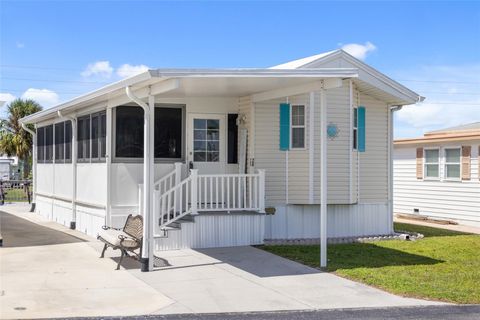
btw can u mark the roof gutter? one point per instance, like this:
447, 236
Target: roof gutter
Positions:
74, 168
34, 163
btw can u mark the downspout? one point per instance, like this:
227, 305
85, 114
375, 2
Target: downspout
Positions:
73, 223
34, 164
392, 109
146, 250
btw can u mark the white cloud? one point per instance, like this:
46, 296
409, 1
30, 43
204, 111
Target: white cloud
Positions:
359, 51
6, 98
127, 70
20, 45
452, 98
99, 68
45, 97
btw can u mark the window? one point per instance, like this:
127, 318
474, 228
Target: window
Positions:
63, 142
83, 139
298, 127
60, 142
431, 163
232, 138
68, 141
168, 133
91, 139
206, 140
452, 163
168, 140
355, 128
41, 145
49, 143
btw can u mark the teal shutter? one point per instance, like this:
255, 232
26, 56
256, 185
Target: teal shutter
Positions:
361, 128
284, 126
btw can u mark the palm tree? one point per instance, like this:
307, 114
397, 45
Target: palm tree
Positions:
13, 139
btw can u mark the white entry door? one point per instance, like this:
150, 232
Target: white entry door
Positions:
206, 142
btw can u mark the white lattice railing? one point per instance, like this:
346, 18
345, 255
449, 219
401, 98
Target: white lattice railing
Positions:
206, 193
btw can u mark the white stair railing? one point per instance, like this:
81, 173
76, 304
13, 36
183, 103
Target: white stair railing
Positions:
208, 192
169, 180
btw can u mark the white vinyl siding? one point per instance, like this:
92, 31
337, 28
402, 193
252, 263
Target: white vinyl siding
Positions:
373, 181
441, 199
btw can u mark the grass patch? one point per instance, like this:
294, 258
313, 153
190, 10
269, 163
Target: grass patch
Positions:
15, 195
445, 265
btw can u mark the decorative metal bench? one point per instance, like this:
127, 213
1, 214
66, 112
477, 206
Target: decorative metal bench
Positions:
128, 239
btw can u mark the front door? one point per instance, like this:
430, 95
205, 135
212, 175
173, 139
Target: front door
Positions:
206, 142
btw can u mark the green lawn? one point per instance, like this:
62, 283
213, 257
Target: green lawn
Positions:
445, 265
15, 195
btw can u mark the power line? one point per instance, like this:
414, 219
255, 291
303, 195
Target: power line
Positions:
61, 81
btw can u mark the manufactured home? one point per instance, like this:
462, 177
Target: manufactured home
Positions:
438, 176
225, 157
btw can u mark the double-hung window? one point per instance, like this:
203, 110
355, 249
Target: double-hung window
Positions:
432, 167
298, 127
452, 163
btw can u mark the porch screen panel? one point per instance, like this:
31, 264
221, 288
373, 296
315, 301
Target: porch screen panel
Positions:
49, 143
41, 145
60, 142
168, 133
68, 141
103, 134
129, 132
95, 135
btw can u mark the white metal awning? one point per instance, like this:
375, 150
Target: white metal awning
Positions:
198, 83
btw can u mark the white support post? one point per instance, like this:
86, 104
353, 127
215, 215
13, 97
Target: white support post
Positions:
73, 223
323, 180
178, 179
151, 178
261, 190
194, 190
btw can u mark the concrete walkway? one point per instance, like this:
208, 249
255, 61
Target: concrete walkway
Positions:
68, 279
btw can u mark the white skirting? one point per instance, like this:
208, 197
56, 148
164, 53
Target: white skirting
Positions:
89, 220
216, 230
303, 221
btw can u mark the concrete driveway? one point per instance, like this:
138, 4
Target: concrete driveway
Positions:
67, 279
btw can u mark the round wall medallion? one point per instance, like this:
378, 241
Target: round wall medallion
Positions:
332, 131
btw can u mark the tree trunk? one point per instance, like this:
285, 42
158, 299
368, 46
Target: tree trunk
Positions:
26, 169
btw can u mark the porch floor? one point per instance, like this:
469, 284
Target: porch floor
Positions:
68, 279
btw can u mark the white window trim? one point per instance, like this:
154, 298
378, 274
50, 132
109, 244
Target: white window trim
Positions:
354, 129
438, 178
459, 179
304, 126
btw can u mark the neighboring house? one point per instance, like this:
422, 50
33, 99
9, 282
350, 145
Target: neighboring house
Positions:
8, 166
255, 139
438, 175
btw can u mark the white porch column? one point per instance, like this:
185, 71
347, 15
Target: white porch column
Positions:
147, 166
151, 179
323, 179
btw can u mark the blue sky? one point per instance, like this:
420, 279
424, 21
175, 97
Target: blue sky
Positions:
54, 51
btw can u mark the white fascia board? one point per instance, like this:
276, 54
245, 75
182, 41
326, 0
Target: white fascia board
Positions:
257, 73
405, 93
87, 97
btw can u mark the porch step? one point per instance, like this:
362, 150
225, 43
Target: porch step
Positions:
177, 225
